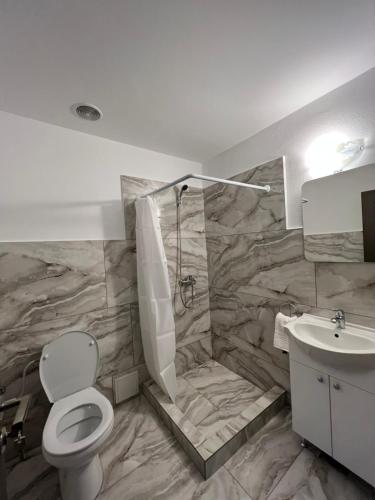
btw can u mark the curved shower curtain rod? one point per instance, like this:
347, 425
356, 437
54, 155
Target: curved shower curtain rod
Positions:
266, 188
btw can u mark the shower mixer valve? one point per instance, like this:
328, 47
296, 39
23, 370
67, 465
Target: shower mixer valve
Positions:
188, 281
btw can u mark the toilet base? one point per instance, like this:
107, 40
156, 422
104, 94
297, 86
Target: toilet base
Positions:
81, 483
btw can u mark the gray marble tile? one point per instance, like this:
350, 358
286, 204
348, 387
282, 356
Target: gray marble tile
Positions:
33, 479
270, 452
174, 418
226, 390
191, 355
221, 486
189, 401
111, 327
194, 261
138, 437
265, 264
346, 286
209, 373
192, 208
121, 267
334, 247
248, 321
43, 281
121, 271
235, 210
171, 475
193, 323
259, 372
313, 478
223, 432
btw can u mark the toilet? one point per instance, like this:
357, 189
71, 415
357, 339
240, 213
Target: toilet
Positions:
81, 418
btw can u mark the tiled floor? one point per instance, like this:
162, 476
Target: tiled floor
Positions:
215, 412
143, 461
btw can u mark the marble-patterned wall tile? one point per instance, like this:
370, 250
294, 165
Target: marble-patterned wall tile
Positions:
193, 323
236, 210
111, 327
259, 372
121, 267
334, 247
248, 321
192, 208
346, 286
44, 281
121, 271
194, 260
267, 264
193, 354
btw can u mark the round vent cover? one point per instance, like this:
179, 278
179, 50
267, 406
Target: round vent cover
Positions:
87, 112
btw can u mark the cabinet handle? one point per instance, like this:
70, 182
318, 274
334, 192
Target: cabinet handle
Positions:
336, 386
320, 379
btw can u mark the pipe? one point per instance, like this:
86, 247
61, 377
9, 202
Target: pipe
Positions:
266, 188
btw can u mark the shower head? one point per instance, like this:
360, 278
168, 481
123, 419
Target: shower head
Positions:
184, 188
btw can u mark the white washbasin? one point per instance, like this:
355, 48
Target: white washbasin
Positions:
322, 334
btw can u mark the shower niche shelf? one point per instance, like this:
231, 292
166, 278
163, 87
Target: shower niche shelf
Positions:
215, 413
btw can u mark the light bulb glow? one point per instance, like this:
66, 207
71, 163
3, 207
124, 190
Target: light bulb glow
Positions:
323, 157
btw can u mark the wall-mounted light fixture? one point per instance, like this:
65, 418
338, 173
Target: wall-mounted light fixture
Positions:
332, 153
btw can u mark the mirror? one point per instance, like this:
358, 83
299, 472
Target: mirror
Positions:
339, 216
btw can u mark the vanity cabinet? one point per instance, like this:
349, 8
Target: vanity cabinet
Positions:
335, 416
353, 428
311, 405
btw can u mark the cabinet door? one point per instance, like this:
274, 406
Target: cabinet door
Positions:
311, 417
353, 428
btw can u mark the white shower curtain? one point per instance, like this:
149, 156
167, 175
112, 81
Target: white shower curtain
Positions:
154, 294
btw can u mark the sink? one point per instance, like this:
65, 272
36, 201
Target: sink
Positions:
322, 334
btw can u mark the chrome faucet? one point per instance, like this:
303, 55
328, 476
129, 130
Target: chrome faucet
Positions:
339, 319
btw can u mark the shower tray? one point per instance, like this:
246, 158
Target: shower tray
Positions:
215, 413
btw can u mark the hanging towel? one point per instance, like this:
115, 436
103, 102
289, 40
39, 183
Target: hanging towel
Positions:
281, 337
154, 295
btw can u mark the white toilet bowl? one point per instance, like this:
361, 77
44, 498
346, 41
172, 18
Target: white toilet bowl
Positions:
81, 418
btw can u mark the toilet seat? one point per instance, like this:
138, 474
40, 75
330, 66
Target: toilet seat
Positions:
69, 364
56, 447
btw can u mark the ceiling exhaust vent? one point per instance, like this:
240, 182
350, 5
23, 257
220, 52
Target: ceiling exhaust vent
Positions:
87, 112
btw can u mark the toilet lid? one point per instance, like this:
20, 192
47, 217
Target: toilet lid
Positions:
68, 364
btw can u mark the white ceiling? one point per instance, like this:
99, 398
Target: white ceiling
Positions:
186, 77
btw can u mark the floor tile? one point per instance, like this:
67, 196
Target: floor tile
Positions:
33, 479
170, 476
192, 404
313, 478
261, 462
138, 434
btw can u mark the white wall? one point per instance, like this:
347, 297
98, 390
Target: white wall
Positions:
59, 184
350, 109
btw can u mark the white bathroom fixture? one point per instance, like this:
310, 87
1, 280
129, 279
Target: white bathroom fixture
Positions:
87, 112
320, 333
266, 187
81, 418
332, 374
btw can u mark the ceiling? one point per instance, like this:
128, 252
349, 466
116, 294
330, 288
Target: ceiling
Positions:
185, 77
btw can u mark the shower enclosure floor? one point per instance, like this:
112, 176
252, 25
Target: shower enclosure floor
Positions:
216, 411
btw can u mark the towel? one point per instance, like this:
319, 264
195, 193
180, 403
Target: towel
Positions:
281, 338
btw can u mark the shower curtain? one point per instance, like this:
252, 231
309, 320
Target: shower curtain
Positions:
154, 295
